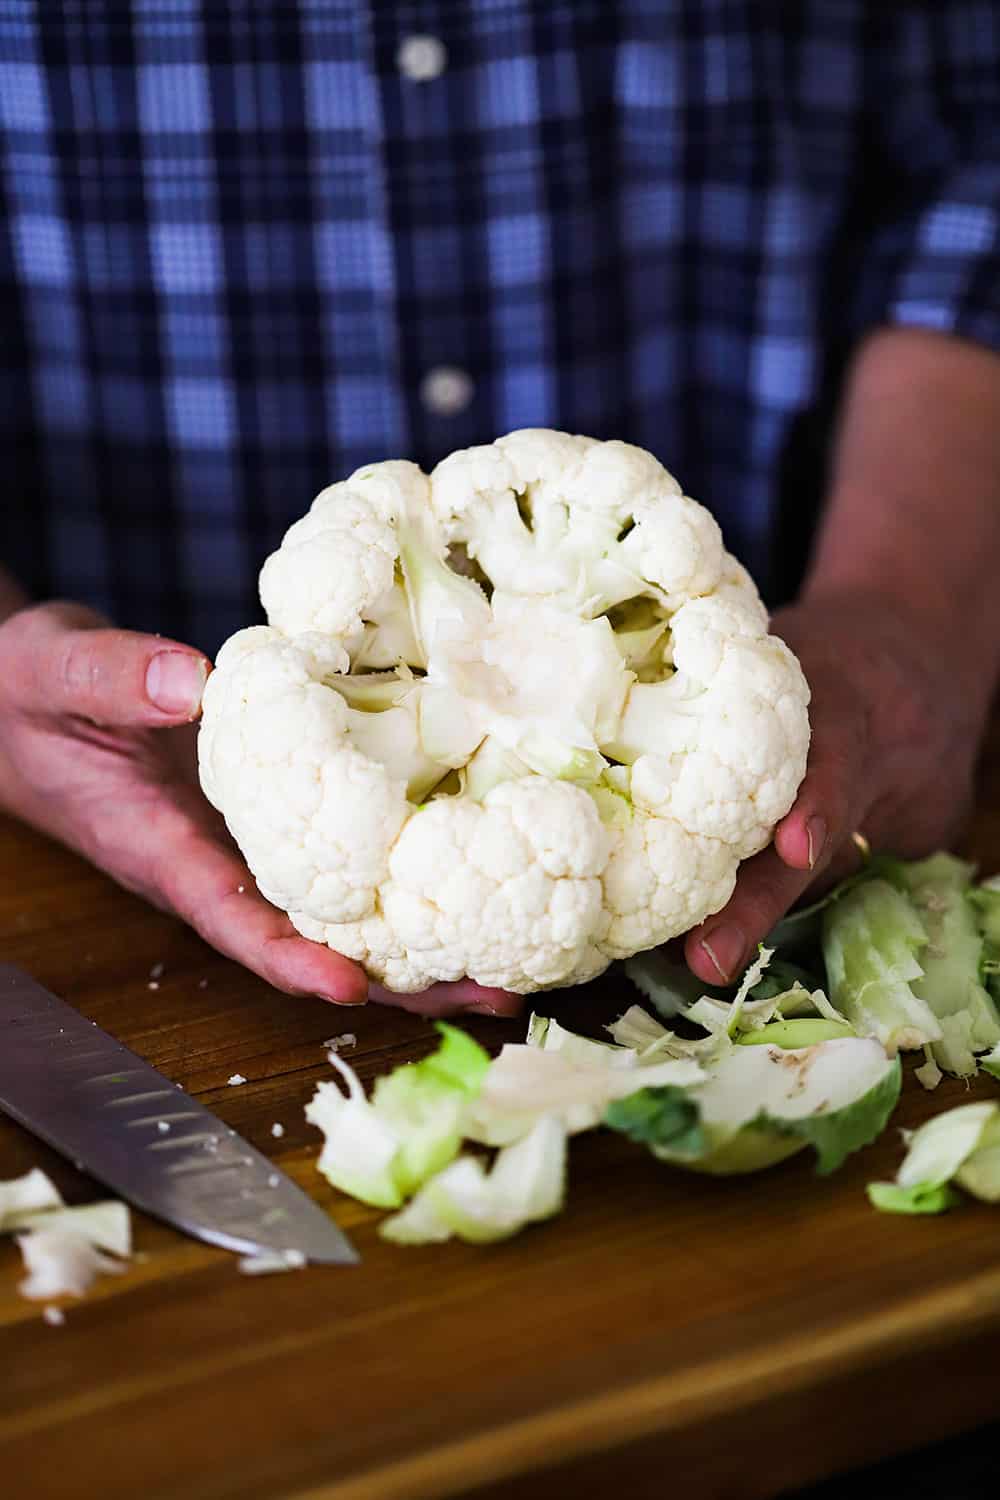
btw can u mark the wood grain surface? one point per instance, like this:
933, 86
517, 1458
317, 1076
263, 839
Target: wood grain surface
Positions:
668, 1335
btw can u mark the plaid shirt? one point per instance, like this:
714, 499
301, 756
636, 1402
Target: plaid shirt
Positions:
236, 238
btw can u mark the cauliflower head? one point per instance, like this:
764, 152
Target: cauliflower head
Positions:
513, 719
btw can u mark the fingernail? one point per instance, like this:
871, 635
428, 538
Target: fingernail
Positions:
175, 681
725, 947
816, 838
339, 999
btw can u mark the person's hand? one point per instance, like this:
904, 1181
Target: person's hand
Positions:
897, 716
97, 748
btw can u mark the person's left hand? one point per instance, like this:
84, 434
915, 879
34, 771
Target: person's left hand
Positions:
897, 717
97, 750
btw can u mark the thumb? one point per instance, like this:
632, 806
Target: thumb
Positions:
64, 659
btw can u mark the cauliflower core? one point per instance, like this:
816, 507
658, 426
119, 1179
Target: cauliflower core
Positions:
513, 720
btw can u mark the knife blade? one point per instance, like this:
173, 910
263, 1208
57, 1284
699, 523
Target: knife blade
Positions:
115, 1116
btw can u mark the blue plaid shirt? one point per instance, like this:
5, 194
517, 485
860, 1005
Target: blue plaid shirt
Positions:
235, 238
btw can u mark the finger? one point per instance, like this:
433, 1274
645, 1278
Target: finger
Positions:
720, 948
826, 805
223, 904
822, 815
63, 659
463, 996
829, 804
210, 887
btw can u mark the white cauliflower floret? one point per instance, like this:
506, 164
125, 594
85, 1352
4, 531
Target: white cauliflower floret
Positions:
738, 588
588, 524
332, 568
518, 781
677, 545
661, 878
507, 890
314, 817
721, 746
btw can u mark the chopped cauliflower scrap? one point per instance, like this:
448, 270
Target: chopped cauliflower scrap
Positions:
512, 720
63, 1249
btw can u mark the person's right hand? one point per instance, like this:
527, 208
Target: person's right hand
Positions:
97, 748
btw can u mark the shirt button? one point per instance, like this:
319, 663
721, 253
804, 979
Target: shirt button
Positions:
422, 58
447, 390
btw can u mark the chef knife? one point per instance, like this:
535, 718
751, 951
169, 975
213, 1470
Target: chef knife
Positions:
113, 1115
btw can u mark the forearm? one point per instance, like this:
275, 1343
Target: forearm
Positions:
12, 595
913, 514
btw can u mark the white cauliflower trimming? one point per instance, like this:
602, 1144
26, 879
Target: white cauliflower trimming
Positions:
513, 720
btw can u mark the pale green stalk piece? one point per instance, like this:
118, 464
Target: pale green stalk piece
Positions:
872, 937
527, 1082
613, 805
669, 986
945, 1150
547, 1033
391, 718
798, 1031
985, 898
753, 976
492, 764
653, 1043
381, 1150
31, 1194
423, 1103
638, 1030
761, 1104
928, 1075
360, 1149
979, 1174
390, 640
798, 1001
105, 1225
495, 762
939, 888
526, 1183
445, 606
393, 740
991, 1064
725, 1018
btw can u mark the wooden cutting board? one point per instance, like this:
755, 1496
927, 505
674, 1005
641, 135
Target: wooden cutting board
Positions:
668, 1334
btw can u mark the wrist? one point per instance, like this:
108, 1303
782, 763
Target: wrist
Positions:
910, 521
932, 561
895, 602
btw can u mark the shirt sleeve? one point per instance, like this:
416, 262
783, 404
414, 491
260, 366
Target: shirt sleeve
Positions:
934, 257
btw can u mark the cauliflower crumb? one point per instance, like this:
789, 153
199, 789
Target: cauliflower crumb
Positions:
162, 1126
236, 1079
277, 1130
268, 1261
156, 972
153, 985
203, 984
54, 1316
336, 1043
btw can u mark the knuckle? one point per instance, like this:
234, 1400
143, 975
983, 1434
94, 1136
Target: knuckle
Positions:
77, 670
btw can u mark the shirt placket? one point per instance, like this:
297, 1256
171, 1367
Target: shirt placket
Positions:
365, 414
432, 183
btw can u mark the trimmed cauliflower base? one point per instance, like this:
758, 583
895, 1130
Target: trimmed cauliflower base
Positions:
511, 720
